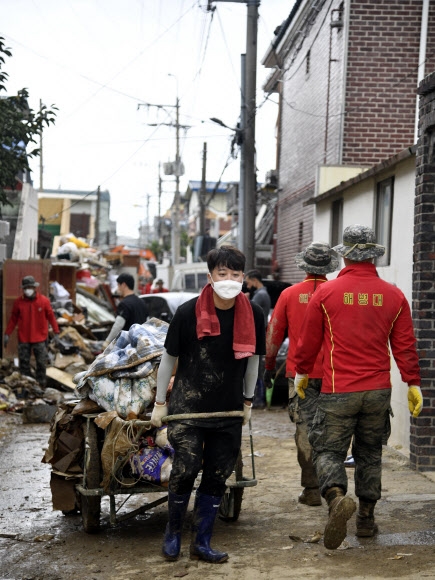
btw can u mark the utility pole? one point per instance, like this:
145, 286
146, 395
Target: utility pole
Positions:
41, 165
249, 107
97, 220
177, 171
203, 190
175, 239
159, 226
250, 184
241, 199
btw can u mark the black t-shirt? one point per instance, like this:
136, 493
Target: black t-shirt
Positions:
208, 377
133, 309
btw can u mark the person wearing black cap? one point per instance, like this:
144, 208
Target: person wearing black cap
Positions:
31, 313
131, 310
316, 260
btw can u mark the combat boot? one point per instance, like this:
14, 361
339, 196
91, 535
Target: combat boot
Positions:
310, 496
365, 519
341, 508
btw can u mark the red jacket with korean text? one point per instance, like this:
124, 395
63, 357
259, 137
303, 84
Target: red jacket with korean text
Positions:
357, 318
288, 314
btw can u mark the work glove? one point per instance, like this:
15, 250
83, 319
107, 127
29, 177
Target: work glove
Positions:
268, 379
158, 413
415, 400
301, 383
5, 340
246, 413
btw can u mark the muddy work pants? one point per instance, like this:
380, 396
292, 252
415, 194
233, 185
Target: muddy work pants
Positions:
301, 412
40, 353
213, 449
338, 418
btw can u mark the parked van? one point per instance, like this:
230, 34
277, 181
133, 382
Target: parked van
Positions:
189, 277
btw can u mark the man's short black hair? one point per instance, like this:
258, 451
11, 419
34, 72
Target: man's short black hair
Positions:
127, 278
227, 256
254, 274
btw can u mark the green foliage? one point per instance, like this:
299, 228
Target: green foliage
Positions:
156, 249
19, 128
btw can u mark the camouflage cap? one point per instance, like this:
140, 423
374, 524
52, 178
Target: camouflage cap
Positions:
359, 244
317, 258
29, 281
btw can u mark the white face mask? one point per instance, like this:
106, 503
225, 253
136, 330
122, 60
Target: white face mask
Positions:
227, 289
29, 292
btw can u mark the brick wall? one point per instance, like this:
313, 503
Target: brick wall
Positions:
422, 436
380, 100
383, 50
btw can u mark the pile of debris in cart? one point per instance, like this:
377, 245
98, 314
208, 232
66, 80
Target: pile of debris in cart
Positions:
117, 391
82, 290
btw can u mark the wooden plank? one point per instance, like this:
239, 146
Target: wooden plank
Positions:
61, 377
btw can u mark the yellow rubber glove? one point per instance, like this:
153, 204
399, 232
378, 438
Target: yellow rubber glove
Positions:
301, 383
415, 400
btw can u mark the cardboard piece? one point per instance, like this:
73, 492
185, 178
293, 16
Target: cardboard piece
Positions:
61, 377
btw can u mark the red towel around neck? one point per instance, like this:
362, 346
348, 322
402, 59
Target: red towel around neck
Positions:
207, 322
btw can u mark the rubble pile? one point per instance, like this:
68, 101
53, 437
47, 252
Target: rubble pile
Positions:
82, 284
22, 394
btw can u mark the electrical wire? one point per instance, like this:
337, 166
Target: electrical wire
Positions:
57, 214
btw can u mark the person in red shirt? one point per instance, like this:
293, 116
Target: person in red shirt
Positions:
32, 313
159, 287
357, 318
287, 317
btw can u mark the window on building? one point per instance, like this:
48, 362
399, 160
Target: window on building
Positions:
336, 222
300, 236
307, 62
384, 218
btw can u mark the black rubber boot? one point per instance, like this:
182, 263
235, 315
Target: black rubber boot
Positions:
177, 507
204, 515
341, 508
365, 519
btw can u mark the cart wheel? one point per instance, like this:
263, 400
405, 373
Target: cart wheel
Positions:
90, 506
231, 503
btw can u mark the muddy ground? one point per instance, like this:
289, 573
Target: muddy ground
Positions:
37, 543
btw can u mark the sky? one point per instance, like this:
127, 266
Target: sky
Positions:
102, 62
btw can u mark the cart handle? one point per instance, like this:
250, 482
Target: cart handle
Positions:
217, 414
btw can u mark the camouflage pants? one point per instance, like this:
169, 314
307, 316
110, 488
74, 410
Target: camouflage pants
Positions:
301, 412
214, 450
339, 417
40, 354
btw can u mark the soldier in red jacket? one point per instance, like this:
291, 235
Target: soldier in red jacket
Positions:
316, 260
357, 318
32, 313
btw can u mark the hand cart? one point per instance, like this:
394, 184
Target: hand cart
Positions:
90, 492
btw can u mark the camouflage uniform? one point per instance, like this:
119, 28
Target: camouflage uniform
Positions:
301, 412
339, 416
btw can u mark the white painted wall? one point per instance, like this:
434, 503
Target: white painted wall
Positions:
358, 207
26, 236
